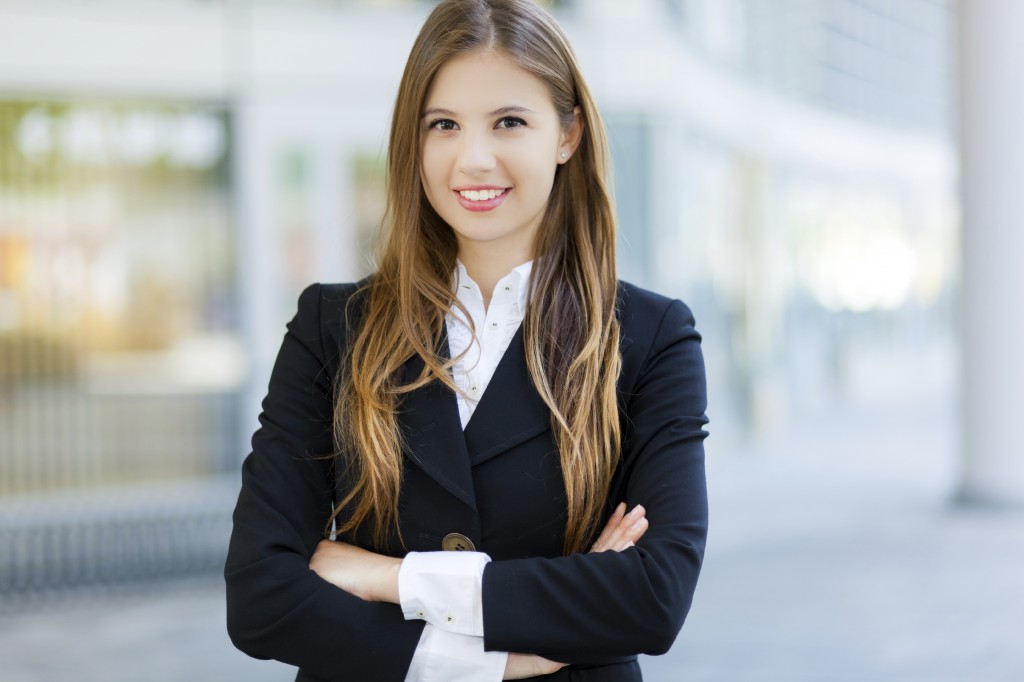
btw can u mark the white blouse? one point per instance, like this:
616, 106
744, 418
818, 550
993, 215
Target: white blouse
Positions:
444, 588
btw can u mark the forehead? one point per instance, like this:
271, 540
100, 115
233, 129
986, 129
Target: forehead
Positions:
484, 81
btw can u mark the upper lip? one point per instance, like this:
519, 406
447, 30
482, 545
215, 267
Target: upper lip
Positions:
476, 188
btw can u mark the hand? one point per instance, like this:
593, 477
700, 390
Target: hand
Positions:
522, 666
367, 575
622, 529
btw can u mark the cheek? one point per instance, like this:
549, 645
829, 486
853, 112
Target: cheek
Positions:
534, 166
542, 174
432, 170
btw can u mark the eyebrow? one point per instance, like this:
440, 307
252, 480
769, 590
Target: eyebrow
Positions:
497, 112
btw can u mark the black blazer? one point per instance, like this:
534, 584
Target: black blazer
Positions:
498, 483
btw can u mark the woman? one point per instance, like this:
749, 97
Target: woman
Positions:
491, 388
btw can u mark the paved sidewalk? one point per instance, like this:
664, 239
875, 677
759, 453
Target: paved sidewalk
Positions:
828, 569
834, 555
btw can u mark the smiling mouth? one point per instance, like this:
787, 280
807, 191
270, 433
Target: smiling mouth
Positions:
482, 200
481, 195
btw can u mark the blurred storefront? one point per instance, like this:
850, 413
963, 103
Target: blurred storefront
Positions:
118, 323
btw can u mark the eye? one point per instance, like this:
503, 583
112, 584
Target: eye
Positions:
511, 122
445, 125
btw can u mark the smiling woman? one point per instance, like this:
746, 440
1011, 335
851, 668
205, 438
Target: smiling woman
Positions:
491, 389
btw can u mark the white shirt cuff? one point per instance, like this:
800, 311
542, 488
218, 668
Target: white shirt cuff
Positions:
449, 657
444, 589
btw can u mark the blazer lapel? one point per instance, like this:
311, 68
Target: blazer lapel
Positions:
510, 410
429, 420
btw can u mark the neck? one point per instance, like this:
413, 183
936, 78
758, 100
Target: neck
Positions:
487, 266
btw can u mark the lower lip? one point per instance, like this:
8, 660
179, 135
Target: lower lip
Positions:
486, 205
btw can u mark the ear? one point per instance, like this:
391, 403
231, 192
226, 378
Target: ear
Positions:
571, 136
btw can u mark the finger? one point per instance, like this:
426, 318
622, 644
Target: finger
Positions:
615, 537
613, 522
616, 518
524, 666
629, 530
549, 667
636, 531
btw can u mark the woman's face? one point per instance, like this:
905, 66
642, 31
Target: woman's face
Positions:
491, 141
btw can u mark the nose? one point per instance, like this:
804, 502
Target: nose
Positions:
476, 153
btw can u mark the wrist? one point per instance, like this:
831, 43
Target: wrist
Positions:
387, 585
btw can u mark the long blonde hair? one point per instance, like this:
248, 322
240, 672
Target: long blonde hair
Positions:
574, 364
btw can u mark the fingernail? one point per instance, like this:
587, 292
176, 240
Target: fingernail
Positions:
637, 524
635, 512
621, 508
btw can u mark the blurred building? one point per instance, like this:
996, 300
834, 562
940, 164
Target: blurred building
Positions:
174, 172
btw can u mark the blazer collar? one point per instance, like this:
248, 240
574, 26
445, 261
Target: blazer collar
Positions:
510, 411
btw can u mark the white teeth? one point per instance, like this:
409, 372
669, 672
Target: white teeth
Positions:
481, 195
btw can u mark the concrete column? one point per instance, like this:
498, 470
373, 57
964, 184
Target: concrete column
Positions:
259, 272
991, 98
332, 210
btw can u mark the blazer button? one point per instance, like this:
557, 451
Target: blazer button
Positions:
457, 542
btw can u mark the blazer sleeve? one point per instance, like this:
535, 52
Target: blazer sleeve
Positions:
276, 606
586, 607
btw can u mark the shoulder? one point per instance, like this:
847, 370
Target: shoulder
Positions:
329, 297
332, 307
655, 332
643, 314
